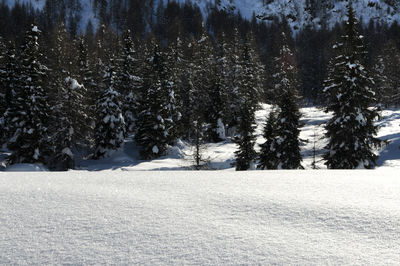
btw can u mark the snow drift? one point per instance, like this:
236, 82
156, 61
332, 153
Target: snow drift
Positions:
159, 218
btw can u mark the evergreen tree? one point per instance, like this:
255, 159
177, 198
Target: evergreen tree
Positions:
3, 104
10, 76
248, 85
287, 148
178, 69
198, 144
85, 77
30, 111
267, 158
381, 81
207, 84
155, 119
110, 125
351, 131
389, 79
129, 81
229, 65
62, 129
287, 131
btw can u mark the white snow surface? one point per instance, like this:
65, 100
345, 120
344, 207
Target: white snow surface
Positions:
200, 218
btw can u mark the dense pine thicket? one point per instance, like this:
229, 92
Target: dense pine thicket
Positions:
163, 74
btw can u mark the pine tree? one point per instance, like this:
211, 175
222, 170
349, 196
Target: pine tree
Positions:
267, 158
207, 82
389, 78
287, 130
178, 69
129, 81
62, 129
30, 112
287, 148
248, 85
85, 77
110, 125
3, 103
381, 81
188, 93
351, 131
11, 72
197, 142
155, 119
229, 64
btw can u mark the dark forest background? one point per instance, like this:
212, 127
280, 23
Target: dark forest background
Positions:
312, 47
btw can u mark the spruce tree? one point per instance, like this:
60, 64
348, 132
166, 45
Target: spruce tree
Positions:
11, 74
267, 158
208, 83
287, 147
62, 129
390, 72
351, 131
29, 142
129, 81
287, 131
179, 69
247, 90
85, 77
110, 125
155, 117
228, 60
3, 104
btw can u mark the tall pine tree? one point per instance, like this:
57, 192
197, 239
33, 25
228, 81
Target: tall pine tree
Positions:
129, 81
110, 125
248, 85
155, 117
286, 146
29, 142
351, 131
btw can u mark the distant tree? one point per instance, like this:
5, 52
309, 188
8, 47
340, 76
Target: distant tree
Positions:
10, 77
390, 72
198, 144
228, 60
3, 89
85, 76
177, 58
129, 81
110, 125
351, 131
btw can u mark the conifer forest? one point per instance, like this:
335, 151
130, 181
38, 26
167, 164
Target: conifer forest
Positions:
155, 74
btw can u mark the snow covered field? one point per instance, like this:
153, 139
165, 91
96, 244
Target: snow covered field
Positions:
173, 218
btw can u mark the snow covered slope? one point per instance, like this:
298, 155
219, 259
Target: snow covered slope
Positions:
171, 218
295, 10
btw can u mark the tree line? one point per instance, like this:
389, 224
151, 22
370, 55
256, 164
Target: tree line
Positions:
64, 93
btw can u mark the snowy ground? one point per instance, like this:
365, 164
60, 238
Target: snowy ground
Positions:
221, 155
203, 218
